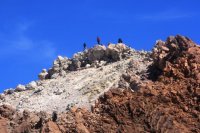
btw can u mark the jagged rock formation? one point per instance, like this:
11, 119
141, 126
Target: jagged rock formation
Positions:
168, 101
97, 56
70, 83
177, 57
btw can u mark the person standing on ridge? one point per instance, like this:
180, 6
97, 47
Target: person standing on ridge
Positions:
98, 41
84, 46
120, 40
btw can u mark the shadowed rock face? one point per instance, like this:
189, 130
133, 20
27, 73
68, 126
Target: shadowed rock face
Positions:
169, 103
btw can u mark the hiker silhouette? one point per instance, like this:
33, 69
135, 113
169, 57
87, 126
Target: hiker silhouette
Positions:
98, 40
84, 46
120, 40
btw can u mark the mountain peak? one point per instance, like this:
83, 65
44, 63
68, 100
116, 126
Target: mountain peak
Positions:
111, 89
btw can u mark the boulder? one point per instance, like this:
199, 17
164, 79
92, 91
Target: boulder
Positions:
2, 96
88, 66
20, 88
55, 75
9, 91
95, 64
60, 58
43, 75
62, 73
32, 85
96, 53
115, 52
80, 55
61, 63
75, 65
101, 63
121, 47
56, 67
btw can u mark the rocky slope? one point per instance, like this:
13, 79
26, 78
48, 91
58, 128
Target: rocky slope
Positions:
157, 92
78, 81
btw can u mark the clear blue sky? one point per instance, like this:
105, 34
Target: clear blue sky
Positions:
34, 32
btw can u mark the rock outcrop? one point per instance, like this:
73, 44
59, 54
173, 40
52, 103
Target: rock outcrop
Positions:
95, 57
79, 81
177, 57
97, 53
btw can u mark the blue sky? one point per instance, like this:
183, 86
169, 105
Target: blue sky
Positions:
34, 32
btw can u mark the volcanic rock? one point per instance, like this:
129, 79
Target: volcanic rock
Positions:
9, 91
178, 56
97, 53
166, 94
115, 52
43, 75
20, 88
31, 85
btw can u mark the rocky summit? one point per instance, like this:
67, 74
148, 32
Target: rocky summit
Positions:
111, 89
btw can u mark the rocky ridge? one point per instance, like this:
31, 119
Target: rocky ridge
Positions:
97, 56
166, 99
78, 81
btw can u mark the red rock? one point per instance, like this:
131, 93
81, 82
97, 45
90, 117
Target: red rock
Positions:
3, 125
73, 109
51, 127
